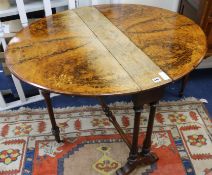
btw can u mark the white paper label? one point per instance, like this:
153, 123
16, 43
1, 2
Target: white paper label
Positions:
164, 75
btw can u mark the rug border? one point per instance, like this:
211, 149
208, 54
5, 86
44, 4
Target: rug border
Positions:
185, 101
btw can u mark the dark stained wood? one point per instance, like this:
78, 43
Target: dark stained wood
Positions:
175, 43
208, 29
55, 128
147, 141
62, 54
113, 120
145, 157
201, 12
192, 9
183, 85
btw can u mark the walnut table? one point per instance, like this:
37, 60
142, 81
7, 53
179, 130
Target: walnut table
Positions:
109, 50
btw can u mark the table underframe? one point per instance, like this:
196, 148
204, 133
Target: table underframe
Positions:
136, 158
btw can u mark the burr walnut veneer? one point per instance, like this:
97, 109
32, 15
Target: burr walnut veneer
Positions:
109, 50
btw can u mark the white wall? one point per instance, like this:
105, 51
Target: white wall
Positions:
167, 4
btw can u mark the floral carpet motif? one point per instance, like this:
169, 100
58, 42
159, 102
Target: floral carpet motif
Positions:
182, 139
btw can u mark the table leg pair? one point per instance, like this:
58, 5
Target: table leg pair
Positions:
136, 158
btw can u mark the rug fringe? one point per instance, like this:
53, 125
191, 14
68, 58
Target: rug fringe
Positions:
188, 100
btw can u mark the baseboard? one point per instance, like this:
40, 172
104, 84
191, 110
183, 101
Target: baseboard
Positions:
207, 63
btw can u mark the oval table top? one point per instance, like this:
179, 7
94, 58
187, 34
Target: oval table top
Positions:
106, 50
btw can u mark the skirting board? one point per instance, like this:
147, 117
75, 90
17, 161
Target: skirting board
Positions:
206, 63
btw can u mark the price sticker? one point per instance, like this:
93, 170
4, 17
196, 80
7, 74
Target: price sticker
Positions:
164, 76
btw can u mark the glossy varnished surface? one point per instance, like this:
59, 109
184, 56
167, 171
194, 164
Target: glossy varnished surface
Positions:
63, 55
71, 53
136, 63
175, 43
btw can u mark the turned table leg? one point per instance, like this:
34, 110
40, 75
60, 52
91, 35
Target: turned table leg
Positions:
55, 128
113, 120
134, 148
145, 157
183, 85
147, 141
151, 157
133, 155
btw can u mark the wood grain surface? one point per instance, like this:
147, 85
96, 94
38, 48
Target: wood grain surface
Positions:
175, 43
139, 66
106, 50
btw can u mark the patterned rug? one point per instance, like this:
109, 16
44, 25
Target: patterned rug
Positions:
181, 138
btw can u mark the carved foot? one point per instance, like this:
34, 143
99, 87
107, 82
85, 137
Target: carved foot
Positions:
141, 160
56, 133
